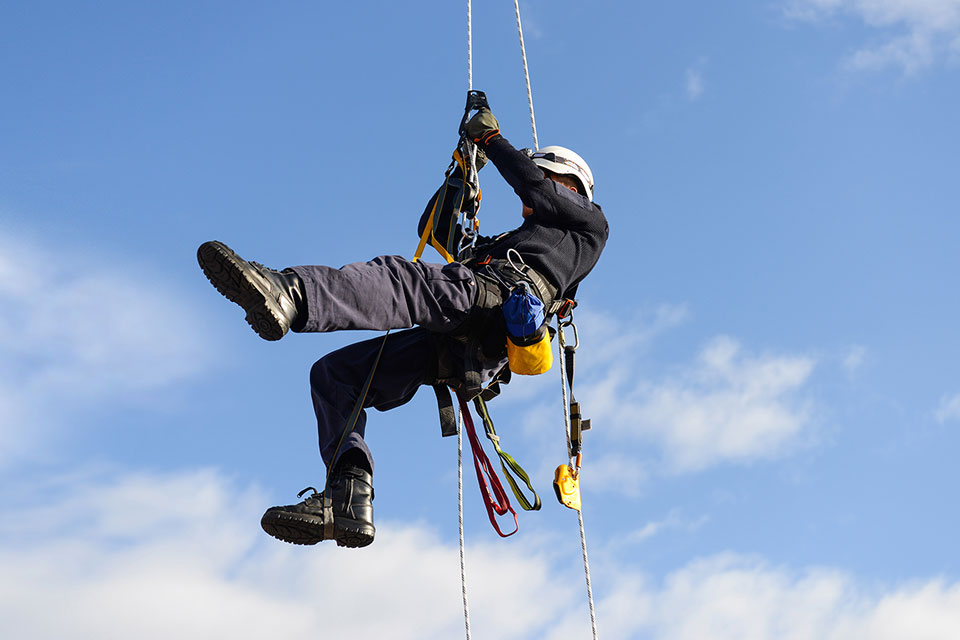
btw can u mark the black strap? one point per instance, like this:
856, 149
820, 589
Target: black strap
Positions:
448, 417
577, 424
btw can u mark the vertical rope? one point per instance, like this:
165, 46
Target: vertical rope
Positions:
463, 565
526, 75
586, 571
469, 45
583, 533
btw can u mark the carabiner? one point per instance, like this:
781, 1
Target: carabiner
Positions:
563, 324
468, 237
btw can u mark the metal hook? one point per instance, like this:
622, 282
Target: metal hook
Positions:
563, 324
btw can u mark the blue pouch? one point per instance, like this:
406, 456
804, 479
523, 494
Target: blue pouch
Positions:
528, 341
523, 313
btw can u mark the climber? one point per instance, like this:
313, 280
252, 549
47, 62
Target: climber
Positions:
449, 307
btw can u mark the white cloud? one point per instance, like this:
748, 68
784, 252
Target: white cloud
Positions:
727, 406
915, 33
734, 597
532, 28
73, 332
854, 358
949, 408
694, 83
674, 521
181, 555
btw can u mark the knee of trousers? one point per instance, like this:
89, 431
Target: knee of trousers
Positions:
322, 380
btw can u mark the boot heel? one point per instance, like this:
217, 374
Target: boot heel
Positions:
353, 536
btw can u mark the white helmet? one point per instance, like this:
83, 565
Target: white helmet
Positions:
565, 162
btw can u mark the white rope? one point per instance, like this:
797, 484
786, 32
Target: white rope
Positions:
469, 45
526, 74
566, 422
586, 572
463, 565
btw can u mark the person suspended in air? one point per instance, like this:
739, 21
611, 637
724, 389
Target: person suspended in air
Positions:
453, 328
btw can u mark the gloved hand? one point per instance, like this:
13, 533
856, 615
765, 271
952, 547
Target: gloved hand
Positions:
481, 159
482, 127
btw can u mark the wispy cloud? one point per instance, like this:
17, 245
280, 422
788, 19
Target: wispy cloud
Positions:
75, 332
693, 80
532, 27
853, 358
914, 34
727, 406
674, 521
949, 408
181, 555
694, 84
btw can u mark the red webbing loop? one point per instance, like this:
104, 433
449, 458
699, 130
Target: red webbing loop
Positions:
496, 503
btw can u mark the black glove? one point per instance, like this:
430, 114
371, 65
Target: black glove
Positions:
482, 127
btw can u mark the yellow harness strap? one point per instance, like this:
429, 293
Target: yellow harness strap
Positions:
427, 235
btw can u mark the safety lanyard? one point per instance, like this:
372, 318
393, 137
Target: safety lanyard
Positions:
495, 498
507, 462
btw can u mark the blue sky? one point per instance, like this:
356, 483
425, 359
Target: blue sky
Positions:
769, 350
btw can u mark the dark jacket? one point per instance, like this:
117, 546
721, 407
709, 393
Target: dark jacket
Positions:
562, 239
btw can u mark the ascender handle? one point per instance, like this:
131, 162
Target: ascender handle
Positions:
476, 100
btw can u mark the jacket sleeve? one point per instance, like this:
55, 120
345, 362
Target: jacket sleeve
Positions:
552, 204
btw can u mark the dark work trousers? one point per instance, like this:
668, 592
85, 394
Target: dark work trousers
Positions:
388, 292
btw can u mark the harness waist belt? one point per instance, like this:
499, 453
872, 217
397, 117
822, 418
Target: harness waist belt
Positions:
511, 275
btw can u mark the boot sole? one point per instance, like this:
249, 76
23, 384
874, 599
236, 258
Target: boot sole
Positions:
227, 272
292, 528
305, 530
352, 534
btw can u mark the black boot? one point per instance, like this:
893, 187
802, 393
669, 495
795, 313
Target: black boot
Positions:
272, 299
347, 516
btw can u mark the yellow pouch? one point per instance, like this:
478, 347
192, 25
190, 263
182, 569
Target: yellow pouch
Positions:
530, 360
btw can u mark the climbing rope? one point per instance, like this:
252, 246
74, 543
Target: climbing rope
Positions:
561, 345
463, 565
526, 74
469, 45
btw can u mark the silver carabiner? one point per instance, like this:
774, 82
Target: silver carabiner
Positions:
469, 236
563, 324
